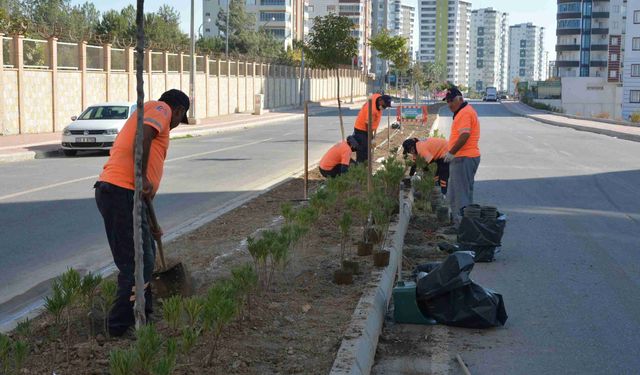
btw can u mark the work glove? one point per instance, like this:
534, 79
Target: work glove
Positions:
448, 158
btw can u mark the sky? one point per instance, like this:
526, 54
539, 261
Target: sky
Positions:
539, 12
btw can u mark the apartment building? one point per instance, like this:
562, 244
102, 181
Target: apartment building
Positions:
285, 19
396, 16
526, 54
358, 11
631, 74
444, 36
590, 36
488, 52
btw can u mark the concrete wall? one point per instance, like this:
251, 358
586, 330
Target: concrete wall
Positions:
40, 100
591, 96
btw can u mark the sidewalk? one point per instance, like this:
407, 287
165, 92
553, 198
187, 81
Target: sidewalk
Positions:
627, 132
37, 146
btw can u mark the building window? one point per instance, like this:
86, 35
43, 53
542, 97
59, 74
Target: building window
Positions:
480, 64
208, 30
613, 74
523, 53
273, 16
635, 70
635, 44
636, 16
523, 44
331, 8
615, 41
480, 30
634, 96
522, 72
523, 62
569, 8
480, 42
207, 14
568, 24
480, 52
614, 57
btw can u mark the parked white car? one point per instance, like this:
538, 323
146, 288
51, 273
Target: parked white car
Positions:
96, 128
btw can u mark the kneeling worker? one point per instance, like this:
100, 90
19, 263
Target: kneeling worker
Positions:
336, 161
431, 150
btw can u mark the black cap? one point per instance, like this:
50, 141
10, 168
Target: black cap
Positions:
408, 144
353, 142
386, 99
177, 98
452, 93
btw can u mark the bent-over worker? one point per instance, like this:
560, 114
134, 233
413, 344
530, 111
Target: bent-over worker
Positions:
337, 160
431, 150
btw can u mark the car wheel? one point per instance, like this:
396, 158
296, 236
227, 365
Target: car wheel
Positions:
69, 152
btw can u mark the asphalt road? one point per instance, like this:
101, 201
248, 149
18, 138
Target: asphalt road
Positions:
49, 220
569, 269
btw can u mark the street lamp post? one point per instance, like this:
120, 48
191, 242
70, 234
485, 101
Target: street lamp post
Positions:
192, 72
226, 34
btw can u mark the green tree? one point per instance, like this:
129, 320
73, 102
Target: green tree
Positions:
331, 45
118, 27
82, 22
392, 48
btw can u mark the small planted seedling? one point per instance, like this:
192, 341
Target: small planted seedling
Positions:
193, 309
259, 252
108, 294
166, 364
55, 305
20, 353
122, 362
24, 329
345, 227
147, 346
89, 291
245, 281
5, 349
172, 311
70, 283
219, 310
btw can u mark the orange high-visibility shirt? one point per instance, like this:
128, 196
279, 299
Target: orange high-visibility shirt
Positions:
363, 115
340, 153
466, 121
119, 168
432, 149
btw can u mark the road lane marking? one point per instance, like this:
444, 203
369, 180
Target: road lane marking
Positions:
51, 186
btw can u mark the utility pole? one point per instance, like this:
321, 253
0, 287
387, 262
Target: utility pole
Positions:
352, 62
226, 34
192, 71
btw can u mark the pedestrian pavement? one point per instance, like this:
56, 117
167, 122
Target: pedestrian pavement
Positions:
22, 147
629, 132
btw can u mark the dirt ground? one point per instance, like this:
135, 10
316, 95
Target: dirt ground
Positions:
296, 327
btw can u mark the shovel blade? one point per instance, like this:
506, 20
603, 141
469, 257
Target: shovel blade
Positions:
174, 280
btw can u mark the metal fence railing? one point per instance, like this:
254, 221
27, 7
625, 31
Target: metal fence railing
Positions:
68, 56
118, 60
95, 58
174, 62
7, 52
35, 53
157, 62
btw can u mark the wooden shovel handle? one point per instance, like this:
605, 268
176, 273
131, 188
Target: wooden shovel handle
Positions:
155, 228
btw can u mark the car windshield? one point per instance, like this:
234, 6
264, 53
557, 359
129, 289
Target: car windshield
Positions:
105, 113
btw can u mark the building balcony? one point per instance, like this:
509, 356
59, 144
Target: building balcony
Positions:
567, 47
602, 31
567, 32
567, 64
600, 15
599, 47
598, 63
564, 16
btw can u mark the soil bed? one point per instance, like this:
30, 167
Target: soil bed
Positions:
295, 327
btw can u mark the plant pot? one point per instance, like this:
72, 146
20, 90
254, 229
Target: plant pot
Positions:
443, 214
365, 248
381, 258
417, 195
342, 277
373, 235
351, 266
396, 209
406, 182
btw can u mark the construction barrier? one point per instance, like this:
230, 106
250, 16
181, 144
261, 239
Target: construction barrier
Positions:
412, 114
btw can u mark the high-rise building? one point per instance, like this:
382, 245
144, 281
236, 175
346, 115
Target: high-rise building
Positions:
631, 74
590, 35
285, 19
396, 16
488, 53
444, 36
526, 54
358, 11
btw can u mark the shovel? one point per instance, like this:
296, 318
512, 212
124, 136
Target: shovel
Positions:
167, 280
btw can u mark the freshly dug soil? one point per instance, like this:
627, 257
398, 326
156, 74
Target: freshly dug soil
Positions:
295, 327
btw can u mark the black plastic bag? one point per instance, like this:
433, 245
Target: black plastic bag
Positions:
448, 295
481, 232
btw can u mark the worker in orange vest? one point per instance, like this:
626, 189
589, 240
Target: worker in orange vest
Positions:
431, 150
360, 131
337, 160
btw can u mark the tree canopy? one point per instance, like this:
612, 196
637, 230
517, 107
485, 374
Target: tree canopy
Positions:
330, 42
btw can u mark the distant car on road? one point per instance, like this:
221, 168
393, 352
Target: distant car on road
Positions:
491, 95
96, 128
